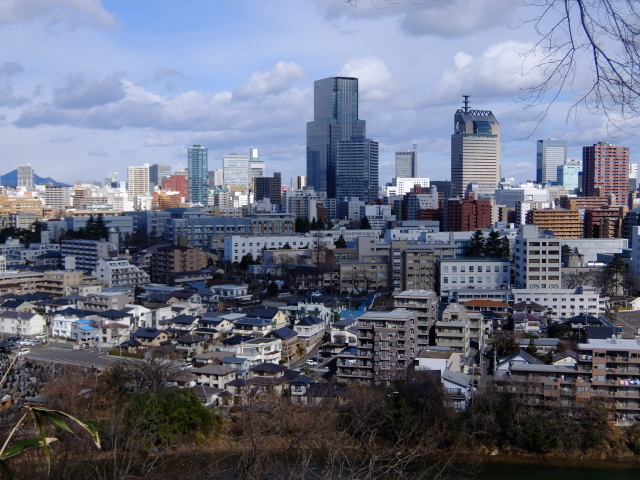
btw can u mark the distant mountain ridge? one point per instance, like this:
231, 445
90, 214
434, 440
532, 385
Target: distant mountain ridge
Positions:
11, 180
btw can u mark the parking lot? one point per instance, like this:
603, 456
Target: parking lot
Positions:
630, 321
81, 357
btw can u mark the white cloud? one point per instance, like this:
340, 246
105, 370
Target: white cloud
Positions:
454, 18
375, 81
79, 92
8, 98
70, 12
114, 103
273, 82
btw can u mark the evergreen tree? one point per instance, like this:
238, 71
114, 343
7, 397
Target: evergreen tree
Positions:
505, 248
90, 228
340, 243
314, 225
329, 225
306, 226
299, 225
320, 223
364, 223
100, 228
476, 245
272, 289
493, 245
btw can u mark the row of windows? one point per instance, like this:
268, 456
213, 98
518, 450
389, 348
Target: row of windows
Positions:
463, 268
496, 279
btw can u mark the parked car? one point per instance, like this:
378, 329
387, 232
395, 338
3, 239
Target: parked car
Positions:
315, 294
24, 351
311, 363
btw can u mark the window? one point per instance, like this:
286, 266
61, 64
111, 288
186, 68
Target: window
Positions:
496, 269
479, 269
471, 269
505, 269
454, 269
470, 279
445, 280
463, 269
445, 269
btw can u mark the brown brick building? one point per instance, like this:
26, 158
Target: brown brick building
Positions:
563, 223
172, 259
468, 215
607, 166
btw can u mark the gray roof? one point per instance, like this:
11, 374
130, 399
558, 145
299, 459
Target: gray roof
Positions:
310, 320
213, 370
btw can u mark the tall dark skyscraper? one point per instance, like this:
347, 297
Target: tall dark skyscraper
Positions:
198, 174
357, 169
335, 119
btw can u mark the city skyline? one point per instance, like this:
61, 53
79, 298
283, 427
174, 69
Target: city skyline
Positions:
80, 116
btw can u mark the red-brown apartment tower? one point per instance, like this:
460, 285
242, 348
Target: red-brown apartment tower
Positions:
607, 166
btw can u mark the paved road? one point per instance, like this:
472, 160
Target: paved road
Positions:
630, 321
79, 358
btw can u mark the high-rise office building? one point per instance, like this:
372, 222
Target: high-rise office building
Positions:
298, 182
551, 154
157, 173
335, 119
605, 171
111, 180
25, 176
407, 163
236, 169
270, 187
138, 181
216, 178
256, 165
357, 169
475, 149
198, 174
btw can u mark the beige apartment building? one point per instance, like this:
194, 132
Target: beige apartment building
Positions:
385, 348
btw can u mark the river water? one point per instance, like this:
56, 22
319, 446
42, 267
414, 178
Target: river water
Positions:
544, 471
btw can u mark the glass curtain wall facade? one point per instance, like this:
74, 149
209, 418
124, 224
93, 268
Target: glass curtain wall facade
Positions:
198, 174
335, 119
551, 154
357, 169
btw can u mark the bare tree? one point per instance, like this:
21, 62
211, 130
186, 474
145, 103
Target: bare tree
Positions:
598, 39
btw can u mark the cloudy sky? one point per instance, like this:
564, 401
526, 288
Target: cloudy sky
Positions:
91, 86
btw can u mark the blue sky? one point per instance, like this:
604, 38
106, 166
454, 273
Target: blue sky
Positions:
88, 86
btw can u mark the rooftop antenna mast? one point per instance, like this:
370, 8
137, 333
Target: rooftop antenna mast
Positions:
466, 103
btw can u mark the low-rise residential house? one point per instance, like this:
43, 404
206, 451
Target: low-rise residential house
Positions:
437, 358
116, 316
458, 387
150, 337
529, 307
278, 317
239, 363
542, 345
504, 364
17, 306
206, 358
310, 330
526, 323
487, 305
319, 310
214, 375
221, 322
290, 341
253, 326
232, 291
268, 377
568, 358
182, 325
62, 320
85, 330
182, 379
344, 331
22, 323
112, 334
209, 396
259, 350
190, 344
300, 385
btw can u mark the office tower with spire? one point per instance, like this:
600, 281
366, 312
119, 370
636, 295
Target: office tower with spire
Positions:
551, 154
475, 149
197, 174
407, 163
335, 119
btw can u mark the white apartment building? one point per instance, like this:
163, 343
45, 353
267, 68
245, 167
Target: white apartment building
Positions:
118, 272
22, 323
138, 181
537, 259
527, 192
564, 302
237, 246
479, 274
